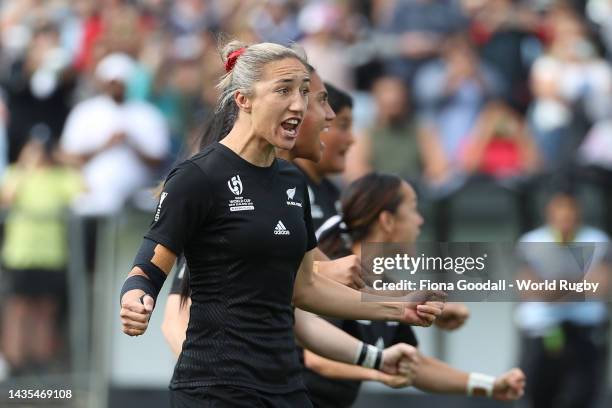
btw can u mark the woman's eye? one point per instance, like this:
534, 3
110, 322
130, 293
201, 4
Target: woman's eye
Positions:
305, 91
283, 91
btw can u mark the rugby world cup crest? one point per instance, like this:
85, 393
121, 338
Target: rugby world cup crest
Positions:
235, 185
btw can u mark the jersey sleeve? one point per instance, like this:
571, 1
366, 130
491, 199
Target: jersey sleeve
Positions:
183, 205
311, 240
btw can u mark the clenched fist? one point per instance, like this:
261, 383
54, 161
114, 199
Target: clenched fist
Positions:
135, 314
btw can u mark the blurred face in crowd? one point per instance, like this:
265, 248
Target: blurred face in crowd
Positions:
563, 214
278, 102
337, 142
116, 90
405, 225
391, 98
318, 118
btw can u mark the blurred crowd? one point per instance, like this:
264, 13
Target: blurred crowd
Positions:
99, 98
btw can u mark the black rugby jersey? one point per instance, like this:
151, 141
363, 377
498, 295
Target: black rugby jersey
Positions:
332, 393
243, 230
324, 200
180, 275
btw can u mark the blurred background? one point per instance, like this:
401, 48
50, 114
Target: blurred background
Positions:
482, 104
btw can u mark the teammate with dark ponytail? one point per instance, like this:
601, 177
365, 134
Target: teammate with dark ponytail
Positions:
383, 208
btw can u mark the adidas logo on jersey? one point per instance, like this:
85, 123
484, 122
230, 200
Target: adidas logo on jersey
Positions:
280, 229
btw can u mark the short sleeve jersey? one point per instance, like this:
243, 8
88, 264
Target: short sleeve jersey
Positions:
244, 231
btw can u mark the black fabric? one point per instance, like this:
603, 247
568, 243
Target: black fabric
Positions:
567, 371
244, 231
143, 260
324, 200
138, 282
234, 397
179, 276
330, 393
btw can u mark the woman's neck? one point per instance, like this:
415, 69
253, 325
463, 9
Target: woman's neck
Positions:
252, 148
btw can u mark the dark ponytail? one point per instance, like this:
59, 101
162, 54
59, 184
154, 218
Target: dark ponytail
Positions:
362, 202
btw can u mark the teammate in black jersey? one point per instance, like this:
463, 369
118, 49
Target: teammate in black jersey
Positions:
316, 120
242, 219
383, 208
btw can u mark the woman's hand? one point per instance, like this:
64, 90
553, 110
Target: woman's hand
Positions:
135, 314
509, 386
453, 316
422, 314
346, 270
400, 359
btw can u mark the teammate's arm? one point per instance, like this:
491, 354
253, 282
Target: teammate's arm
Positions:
329, 341
318, 294
176, 319
342, 371
436, 376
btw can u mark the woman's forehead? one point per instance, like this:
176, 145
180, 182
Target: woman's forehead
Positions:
285, 69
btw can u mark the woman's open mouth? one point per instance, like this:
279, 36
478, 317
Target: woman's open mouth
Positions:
290, 126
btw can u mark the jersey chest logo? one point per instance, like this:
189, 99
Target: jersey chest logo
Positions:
290, 195
280, 229
239, 203
235, 185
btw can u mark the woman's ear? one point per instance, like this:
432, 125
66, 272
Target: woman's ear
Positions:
243, 101
386, 221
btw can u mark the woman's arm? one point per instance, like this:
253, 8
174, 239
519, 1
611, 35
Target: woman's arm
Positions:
153, 263
316, 293
328, 341
438, 377
176, 319
342, 371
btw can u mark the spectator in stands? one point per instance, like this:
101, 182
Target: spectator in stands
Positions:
324, 46
505, 33
393, 144
571, 86
275, 21
564, 346
38, 87
119, 144
501, 145
451, 93
423, 25
595, 161
37, 191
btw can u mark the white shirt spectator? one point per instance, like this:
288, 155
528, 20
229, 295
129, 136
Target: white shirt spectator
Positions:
536, 318
115, 173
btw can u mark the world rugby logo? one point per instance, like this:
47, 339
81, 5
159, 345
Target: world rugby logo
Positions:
235, 185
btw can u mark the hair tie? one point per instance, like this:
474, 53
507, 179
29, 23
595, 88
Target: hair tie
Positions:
232, 57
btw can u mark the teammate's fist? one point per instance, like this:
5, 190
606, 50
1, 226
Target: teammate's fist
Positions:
509, 386
347, 271
453, 316
401, 359
135, 314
